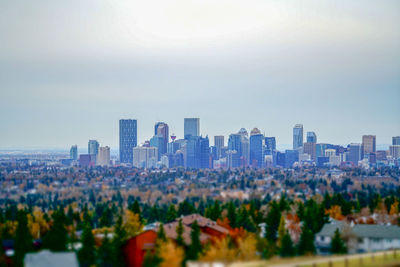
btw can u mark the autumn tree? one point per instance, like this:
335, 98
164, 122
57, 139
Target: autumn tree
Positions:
131, 223
170, 255
281, 231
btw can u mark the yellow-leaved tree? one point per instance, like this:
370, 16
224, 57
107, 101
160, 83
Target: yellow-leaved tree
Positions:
171, 255
221, 251
131, 223
247, 248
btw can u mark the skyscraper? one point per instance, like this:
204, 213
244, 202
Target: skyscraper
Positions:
310, 149
311, 137
73, 152
162, 129
354, 153
298, 136
192, 126
93, 148
103, 157
219, 143
205, 153
256, 148
127, 140
234, 143
368, 144
158, 142
396, 140
192, 149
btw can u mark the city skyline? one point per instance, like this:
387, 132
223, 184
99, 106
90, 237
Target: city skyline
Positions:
332, 65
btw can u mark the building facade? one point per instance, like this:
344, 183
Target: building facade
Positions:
127, 140
73, 152
103, 157
191, 126
298, 136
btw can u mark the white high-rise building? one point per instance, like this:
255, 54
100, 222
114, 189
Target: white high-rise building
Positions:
103, 156
145, 157
298, 136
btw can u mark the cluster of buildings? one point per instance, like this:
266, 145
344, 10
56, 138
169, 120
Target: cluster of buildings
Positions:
242, 150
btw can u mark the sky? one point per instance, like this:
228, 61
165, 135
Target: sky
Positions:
69, 70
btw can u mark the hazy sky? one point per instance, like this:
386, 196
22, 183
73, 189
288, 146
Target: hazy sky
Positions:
69, 70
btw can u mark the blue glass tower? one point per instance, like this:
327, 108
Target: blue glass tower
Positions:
127, 140
256, 148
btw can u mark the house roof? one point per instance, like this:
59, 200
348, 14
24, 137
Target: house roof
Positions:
46, 258
203, 222
170, 232
363, 230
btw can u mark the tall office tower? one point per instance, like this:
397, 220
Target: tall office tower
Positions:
244, 148
158, 142
103, 157
270, 143
144, 157
256, 148
311, 137
234, 143
298, 136
205, 159
127, 140
73, 152
93, 149
218, 143
396, 140
191, 126
310, 149
354, 153
192, 152
162, 129
368, 144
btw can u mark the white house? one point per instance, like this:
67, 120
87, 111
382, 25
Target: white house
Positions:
359, 237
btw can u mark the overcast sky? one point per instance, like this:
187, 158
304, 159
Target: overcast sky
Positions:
69, 70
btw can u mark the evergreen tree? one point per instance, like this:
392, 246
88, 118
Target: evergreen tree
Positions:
161, 233
117, 243
105, 252
171, 214
245, 221
57, 238
151, 259
86, 254
195, 246
337, 244
23, 239
272, 221
135, 208
179, 234
286, 248
232, 214
306, 243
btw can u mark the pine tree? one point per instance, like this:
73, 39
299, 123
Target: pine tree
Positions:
23, 239
287, 248
306, 243
171, 214
117, 243
57, 238
232, 214
337, 244
179, 234
86, 254
135, 208
105, 252
273, 219
195, 246
161, 233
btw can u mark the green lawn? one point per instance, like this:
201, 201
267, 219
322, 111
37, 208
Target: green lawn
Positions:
380, 260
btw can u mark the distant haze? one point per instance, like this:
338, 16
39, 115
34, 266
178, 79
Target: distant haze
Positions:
69, 70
